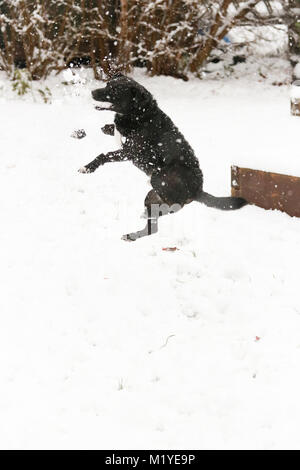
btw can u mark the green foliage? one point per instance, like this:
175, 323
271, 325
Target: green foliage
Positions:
297, 26
46, 95
21, 82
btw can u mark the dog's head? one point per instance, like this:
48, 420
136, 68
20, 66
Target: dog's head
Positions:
124, 96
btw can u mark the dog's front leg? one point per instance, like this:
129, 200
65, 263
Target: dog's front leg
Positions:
117, 156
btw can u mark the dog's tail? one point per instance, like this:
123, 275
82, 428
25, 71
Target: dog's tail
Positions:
223, 203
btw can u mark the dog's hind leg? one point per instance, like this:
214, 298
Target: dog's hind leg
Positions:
150, 229
154, 208
173, 187
152, 200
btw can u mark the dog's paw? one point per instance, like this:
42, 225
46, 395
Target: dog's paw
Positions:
84, 169
130, 237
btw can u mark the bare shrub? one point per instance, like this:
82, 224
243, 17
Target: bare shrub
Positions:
170, 37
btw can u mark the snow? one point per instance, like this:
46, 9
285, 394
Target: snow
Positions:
261, 40
107, 344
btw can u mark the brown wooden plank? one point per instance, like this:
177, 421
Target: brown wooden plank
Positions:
267, 190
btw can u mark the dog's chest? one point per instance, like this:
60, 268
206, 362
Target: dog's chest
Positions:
143, 155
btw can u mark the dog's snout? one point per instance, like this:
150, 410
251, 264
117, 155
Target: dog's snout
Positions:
100, 94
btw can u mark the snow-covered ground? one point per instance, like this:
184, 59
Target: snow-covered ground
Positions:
107, 344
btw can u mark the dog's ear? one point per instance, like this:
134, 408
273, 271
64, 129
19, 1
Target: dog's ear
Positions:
117, 75
141, 97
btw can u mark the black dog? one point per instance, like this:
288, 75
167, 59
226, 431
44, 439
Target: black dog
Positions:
154, 144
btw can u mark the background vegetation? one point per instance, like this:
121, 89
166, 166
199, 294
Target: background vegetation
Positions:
170, 37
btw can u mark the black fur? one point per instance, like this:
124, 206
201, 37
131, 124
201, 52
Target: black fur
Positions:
154, 144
